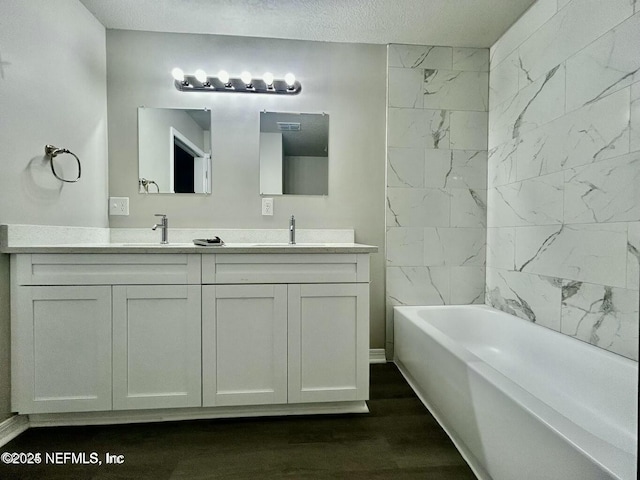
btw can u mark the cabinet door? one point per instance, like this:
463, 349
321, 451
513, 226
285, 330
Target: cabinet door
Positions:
328, 342
156, 346
244, 344
61, 349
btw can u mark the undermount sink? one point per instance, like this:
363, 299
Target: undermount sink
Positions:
229, 245
152, 244
286, 244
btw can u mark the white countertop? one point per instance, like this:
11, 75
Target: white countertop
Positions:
252, 248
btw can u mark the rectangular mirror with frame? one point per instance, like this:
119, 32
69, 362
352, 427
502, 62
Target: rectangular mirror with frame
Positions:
294, 153
174, 150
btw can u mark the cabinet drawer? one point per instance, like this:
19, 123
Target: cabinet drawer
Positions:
107, 269
285, 268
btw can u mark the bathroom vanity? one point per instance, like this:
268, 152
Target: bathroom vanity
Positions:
199, 332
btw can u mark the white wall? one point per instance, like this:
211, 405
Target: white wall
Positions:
345, 80
52, 90
564, 170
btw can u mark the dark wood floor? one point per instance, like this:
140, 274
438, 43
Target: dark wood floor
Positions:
398, 440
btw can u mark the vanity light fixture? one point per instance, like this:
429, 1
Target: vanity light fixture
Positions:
246, 79
223, 76
201, 76
290, 79
268, 79
245, 83
178, 76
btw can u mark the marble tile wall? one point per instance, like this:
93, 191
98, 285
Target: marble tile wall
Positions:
563, 198
436, 176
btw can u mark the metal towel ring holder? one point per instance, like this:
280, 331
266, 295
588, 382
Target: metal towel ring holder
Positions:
52, 152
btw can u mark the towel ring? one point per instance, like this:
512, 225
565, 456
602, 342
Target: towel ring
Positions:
52, 152
144, 183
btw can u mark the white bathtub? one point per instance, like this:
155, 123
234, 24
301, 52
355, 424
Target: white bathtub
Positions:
518, 400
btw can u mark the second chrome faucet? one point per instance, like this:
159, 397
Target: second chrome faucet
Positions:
292, 230
164, 227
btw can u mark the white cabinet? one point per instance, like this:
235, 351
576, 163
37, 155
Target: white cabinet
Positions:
77, 346
299, 343
61, 349
233, 331
156, 346
328, 342
244, 344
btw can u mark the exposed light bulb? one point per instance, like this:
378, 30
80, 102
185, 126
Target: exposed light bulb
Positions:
245, 77
201, 76
268, 78
178, 74
223, 76
290, 78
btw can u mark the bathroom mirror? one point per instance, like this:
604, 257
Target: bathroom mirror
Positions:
174, 150
294, 153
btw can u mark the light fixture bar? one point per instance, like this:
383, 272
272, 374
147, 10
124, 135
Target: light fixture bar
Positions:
190, 83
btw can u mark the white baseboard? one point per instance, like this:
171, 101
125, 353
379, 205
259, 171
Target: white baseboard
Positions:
12, 427
199, 413
377, 355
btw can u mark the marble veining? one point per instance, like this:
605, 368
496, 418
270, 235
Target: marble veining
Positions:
610, 63
436, 176
544, 246
467, 169
417, 207
567, 32
563, 202
405, 167
536, 16
454, 246
468, 207
634, 121
595, 132
503, 81
418, 285
582, 252
437, 168
535, 298
518, 123
455, 90
633, 256
606, 191
537, 201
501, 164
601, 315
408, 127
533, 106
404, 246
416, 56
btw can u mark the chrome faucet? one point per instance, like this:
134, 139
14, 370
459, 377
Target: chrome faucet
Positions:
292, 230
164, 225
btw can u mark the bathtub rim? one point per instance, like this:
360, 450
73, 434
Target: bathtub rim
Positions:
610, 458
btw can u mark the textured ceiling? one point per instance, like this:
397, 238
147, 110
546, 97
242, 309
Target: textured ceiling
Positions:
462, 23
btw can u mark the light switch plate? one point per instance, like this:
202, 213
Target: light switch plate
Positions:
118, 205
267, 206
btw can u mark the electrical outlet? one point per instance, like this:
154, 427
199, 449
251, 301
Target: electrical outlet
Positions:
267, 206
118, 205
